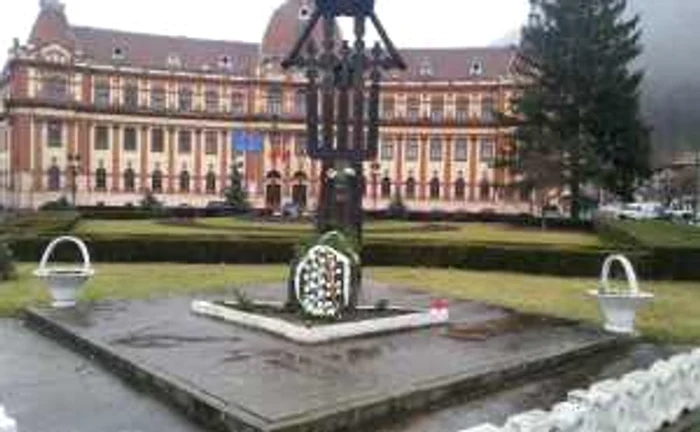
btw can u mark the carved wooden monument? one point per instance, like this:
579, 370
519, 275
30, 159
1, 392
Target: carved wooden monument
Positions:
346, 130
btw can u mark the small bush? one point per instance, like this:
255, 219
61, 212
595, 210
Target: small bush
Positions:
7, 265
60, 204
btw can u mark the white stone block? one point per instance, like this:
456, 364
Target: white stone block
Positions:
7, 424
601, 407
486, 427
531, 421
639, 388
568, 417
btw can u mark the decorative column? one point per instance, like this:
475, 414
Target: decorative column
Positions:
473, 168
38, 152
423, 172
447, 173
398, 176
85, 151
198, 161
225, 159
116, 157
145, 151
170, 174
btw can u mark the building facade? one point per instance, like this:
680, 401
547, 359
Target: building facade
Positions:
132, 113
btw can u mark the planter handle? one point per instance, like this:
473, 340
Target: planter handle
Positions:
629, 273
50, 248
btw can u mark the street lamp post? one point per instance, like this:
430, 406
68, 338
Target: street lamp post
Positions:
74, 168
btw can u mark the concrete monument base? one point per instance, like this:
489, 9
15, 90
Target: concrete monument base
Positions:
232, 378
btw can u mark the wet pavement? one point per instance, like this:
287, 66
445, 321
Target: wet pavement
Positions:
48, 388
542, 393
270, 383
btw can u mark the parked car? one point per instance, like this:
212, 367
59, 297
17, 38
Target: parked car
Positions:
641, 211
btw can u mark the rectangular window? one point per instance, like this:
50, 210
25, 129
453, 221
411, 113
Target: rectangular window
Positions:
55, 133
274, 101
300, 145
435, 149
413, 108
487, 109
487, 150
437, 108
158, 97
55, 87
211, 142
131, 95
462, 150
157, 141
387, 150
462, 109
102, 92
101, 138
211, 100
238, 103
300, 102
184, 99
412, 149
129, 139
388, 108
184, 142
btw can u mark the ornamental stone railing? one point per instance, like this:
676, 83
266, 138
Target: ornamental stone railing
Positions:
641, 401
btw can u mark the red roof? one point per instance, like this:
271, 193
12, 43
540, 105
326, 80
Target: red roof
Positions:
241, 58
151, 51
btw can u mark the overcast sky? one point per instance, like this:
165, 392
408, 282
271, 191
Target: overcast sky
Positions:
411, 23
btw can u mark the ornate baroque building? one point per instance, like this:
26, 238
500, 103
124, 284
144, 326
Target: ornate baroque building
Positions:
135, 112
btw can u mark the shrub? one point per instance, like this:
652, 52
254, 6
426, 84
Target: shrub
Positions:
150, 202
60, 204
7, 266
397, 208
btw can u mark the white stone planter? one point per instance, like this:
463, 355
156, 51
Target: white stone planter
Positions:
64, 282
620, 307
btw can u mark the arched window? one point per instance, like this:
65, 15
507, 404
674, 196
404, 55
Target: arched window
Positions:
101, 179
211, 183
411, 188
460, 189
54, 178
157, 181
185, 181
129, 180
386, 187
435, 188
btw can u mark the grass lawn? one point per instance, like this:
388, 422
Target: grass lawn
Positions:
662, 233
474, 233
673, 317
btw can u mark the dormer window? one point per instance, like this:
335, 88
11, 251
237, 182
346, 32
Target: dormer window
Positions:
426, 69
118, 54
225, 62
304, 13
174, 61
476, 68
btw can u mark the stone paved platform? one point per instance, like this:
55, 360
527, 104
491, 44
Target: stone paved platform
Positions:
230, 378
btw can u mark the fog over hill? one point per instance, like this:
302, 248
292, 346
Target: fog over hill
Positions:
671, 60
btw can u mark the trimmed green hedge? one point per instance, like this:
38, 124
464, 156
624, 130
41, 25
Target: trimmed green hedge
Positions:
524, 259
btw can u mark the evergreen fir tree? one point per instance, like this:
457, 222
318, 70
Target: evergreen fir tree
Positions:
235, 193
580, 111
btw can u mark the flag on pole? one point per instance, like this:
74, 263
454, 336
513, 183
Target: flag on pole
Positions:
243, 141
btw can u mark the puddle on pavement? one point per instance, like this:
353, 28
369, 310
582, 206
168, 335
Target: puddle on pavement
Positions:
166, 341
514, 323
301, 364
